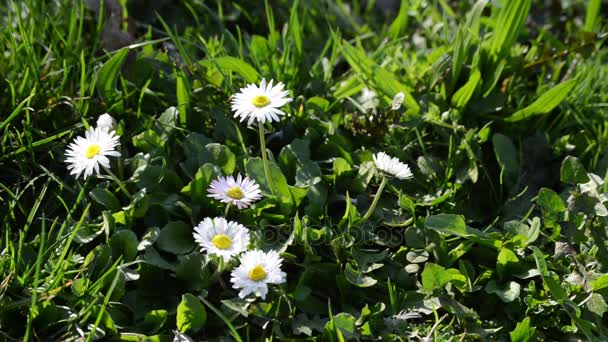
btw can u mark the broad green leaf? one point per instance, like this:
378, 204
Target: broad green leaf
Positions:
597, 304
190, 271
124, 243
255, 169
233, 64
197, 188
191, 314
506, 155
108, 73
105, 198
506, 261
346, 323
221, 156
507, 292
550, 201
545, 103
523, 332
455, 225
357, 278
435, 276
600, 283
154, 320
573, 171
176, 237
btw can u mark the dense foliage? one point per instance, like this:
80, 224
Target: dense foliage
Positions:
501, 233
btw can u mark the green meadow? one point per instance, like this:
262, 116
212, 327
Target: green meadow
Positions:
418, 170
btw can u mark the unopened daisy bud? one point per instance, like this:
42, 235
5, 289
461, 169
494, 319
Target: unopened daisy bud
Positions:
106, 122
392, 166
256, 271
397, 101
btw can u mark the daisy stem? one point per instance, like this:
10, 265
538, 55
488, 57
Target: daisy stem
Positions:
265, 158
371, 209
226, 210
119, 183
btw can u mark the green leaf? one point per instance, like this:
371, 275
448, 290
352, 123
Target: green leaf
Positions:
545, 103
105, 198
346, 323
592, 14
255, 169
197, 188
183, 91
505, 262
108, 73
463, 95
600, 283
550, 280
597, 304
233, 64
435, 277
191, 314
399, 25
506, 155
573, 171
377, 75
154, 320
455, 225
221, 156
357, 278
176, 237
507, 293
523, 332
124, 243
510, 20
550, 201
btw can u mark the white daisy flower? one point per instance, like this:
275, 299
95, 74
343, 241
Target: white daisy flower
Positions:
86, 154
241, 192
220, 237
392, 166
106, 122
260, 103
257, 270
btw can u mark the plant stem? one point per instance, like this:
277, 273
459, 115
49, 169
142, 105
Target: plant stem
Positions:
226, 210
118, 182
375, 201
265, 158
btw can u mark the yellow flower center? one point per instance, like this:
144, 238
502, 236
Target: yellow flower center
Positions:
221, 241
257, 273
260, 101
235, 192
92, 151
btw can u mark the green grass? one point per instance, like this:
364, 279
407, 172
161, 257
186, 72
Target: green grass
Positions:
500, 234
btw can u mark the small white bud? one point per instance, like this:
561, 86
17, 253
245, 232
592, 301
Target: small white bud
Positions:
106, 122
397, 101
